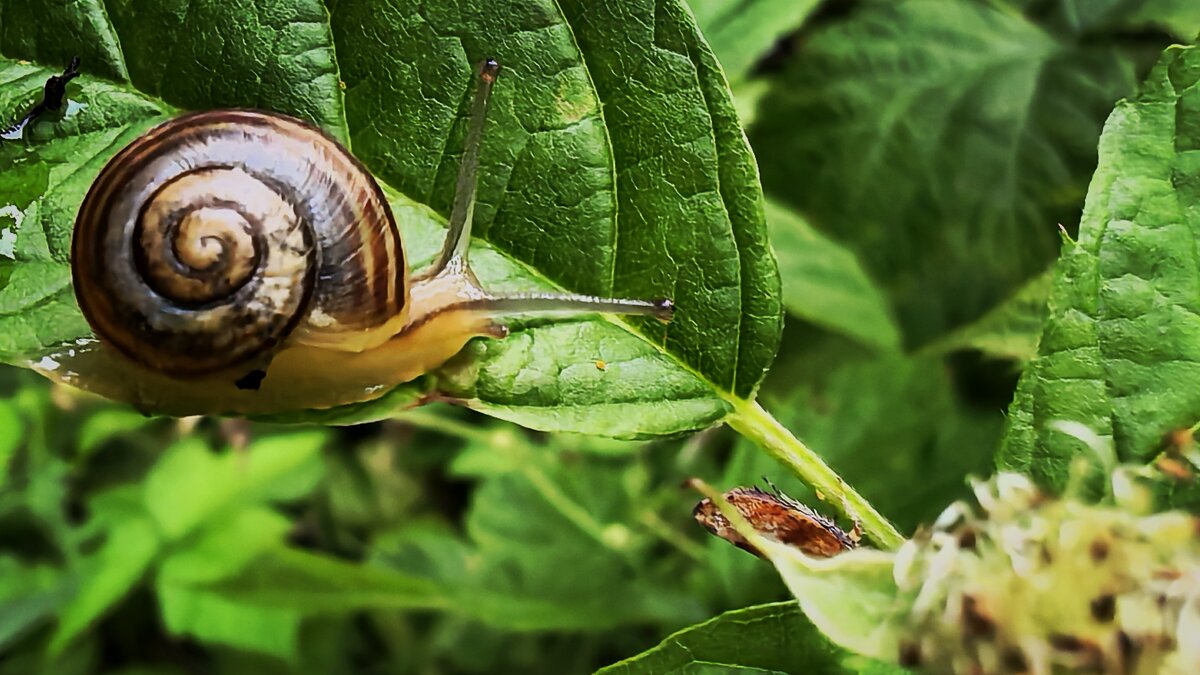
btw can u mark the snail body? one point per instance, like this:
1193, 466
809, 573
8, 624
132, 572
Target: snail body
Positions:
243, 262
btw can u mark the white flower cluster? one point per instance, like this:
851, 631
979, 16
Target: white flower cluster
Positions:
1027, 583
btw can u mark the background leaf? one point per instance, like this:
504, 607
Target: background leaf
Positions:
107, 576
741, 32
29, 595
220, 620
943, 142
190, 486
11, 432
1179, 17
905, 430
567, 551
824, 283
1010, 330
1120, 342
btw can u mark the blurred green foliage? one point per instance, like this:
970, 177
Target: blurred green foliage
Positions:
226, 543
918, 157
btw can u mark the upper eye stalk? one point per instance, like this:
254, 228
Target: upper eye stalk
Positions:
243, 262
453, 259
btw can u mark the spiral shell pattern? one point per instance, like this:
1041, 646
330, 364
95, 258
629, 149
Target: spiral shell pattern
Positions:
205, 242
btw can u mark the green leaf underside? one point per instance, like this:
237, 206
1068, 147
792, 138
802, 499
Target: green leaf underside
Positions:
848, 598
766, 638
881, 119
655, 196
1120, 352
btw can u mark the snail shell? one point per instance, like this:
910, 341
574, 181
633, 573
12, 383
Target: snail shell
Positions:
215, 237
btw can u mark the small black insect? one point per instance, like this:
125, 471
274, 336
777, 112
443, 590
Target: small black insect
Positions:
52, 99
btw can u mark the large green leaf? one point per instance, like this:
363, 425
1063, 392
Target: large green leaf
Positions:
613, 163
43, 183
943, 141
1120, 352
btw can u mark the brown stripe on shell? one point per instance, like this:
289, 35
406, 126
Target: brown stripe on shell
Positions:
361, 280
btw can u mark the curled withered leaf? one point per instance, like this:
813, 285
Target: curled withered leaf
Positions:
777, 517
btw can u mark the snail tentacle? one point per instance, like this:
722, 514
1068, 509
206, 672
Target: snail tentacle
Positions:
453, 259
458, 236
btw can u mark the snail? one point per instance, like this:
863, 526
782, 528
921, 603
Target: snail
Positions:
243, 262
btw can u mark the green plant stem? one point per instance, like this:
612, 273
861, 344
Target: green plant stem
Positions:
431, 421
506, 439
567, 507
752, 421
